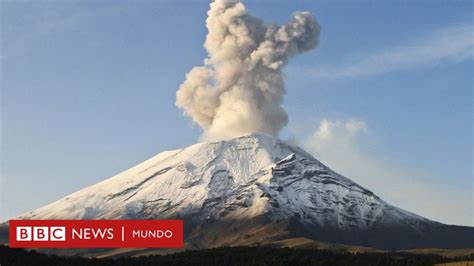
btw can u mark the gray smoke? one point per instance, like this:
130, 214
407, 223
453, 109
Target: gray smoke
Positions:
240, 87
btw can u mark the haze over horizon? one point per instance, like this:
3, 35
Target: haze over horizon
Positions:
89, 91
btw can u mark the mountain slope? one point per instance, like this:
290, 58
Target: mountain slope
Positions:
252, 189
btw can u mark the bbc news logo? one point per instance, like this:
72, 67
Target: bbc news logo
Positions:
96, 233
41, 233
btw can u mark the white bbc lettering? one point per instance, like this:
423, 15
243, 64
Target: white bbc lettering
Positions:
93, 233
41, 233
57, 233
23, 233
152, 234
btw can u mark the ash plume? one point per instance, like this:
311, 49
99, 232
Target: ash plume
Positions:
239, 89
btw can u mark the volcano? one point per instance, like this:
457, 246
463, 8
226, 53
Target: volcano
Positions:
251, 190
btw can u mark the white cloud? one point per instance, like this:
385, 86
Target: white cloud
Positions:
341, 145
448, 45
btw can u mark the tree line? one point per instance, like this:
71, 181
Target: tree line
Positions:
257, 256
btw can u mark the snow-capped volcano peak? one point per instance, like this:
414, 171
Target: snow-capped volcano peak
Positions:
249, 190
245, 177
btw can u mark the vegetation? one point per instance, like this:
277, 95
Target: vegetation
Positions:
230, 256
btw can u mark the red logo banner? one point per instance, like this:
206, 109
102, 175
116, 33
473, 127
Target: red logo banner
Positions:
96, 233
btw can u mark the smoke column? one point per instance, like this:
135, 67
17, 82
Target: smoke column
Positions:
239, 89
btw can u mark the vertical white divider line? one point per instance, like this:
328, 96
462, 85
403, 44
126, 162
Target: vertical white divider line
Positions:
123, 235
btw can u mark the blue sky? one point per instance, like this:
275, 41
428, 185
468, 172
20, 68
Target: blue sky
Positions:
88, 90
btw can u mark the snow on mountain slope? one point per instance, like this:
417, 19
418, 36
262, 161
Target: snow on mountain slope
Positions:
240, 178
